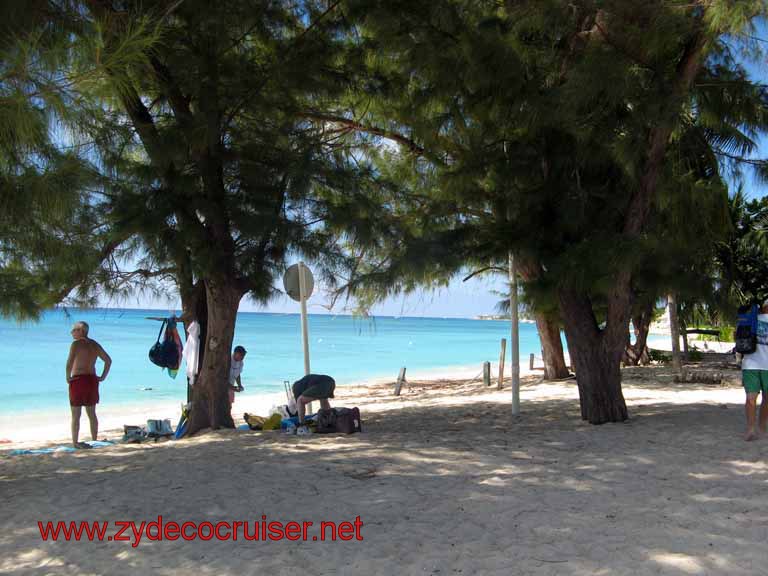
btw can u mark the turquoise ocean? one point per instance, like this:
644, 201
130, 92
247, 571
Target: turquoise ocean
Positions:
33, 355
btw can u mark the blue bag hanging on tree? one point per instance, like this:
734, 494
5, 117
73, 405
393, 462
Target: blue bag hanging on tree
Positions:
165, 353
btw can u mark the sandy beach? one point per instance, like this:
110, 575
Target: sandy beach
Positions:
443, 479
35, 428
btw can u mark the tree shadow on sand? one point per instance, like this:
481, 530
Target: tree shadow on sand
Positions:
441, 489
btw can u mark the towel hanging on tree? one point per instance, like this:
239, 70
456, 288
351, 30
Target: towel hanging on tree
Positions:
191, 351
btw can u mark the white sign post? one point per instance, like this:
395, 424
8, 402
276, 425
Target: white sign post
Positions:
303, 299
299, 284
515, 341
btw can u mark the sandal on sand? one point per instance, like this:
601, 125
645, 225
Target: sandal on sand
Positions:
83, 446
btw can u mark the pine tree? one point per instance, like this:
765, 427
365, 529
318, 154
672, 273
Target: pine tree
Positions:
231, 176
211, 171
51, 189
545, 130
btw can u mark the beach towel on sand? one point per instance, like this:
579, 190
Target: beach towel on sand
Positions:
92, 444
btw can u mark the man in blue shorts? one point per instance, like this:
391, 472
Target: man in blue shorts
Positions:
754, 375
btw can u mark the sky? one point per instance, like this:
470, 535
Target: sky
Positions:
458, 300
477, 296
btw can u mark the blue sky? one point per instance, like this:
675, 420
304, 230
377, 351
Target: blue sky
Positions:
458, 300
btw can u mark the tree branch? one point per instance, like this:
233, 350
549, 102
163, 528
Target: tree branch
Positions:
750, 161
486, 269
106, 252
360, 127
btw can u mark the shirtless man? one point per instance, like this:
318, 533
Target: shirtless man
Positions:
82, 379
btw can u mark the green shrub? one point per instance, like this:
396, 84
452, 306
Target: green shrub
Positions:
726, 333
659, 355
694, 355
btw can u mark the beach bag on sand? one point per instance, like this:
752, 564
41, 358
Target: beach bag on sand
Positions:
338, 420
254, 422
284, 410
133, 433
158, 428
272, 423
325, 421
746, 329
348, 420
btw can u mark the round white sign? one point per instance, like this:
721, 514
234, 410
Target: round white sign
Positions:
291, 282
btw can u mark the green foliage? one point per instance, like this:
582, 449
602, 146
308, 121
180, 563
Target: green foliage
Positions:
695, 356
660, 356
186, 141
727, 332
534, 120
743, 258
194, 153
50, 185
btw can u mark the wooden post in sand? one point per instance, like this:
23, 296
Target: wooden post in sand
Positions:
487, 373
532, 359
502, 357
400, 380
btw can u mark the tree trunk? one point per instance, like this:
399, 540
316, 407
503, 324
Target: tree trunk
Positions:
551, 348
674, 328
210, 394
549, 330
596, 355
637, 353
195, 309
684, 334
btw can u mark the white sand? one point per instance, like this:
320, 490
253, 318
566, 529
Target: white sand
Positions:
665, 343
444, 480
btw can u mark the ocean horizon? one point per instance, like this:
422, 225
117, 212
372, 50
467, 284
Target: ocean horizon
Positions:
350, 349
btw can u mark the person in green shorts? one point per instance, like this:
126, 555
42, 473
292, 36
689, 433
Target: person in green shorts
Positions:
754, 376
310, 388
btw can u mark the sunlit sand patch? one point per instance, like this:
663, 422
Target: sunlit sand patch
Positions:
682, 562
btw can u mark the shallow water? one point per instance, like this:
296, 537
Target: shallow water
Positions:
33, 355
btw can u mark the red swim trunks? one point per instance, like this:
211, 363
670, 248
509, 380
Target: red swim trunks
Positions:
84, 390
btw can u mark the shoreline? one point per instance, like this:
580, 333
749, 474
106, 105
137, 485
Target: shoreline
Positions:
36, 428
48, 426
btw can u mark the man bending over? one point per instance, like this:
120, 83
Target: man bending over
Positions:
82, 379
310, 388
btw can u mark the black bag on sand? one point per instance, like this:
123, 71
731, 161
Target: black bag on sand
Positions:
338, 420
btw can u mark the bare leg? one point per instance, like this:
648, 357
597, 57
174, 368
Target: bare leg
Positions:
763, 413
91, 411
749, 408
304, 401
76, 410
301, 404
